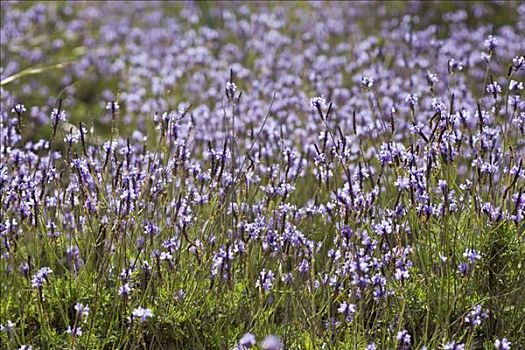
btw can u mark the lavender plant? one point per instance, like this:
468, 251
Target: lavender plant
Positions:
262, 176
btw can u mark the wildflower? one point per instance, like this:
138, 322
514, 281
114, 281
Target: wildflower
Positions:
125, 290
438, 106
150, 229
494, 88
454, 346
287, 278
304, 266
272, 342
231, 87
402, 183
367, 82
265, 280
502, 344
411, 100
371, 346
404, 339
247, 341
58, 116
486, 56
516, 102
490, 43
75, 331
82, 311
348, 310
112, 106
25, 347
72, 138
317, 102
230, 90
471, 255
432, 78
180, 295
73, 259
142, 314
40, 277
518, 61
454, 66
24, 269
18, 108
402, 273
514, 86
475, 317
463, 268
8, 328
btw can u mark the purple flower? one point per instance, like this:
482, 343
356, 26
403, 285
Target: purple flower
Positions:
231, 87
454, 346
471, 255
348, 310
265, 280
515, 86
180, 295
404, 340
490, 43
402, 183
75, 331
475, 317
150, 228
24, 269
317, 102
463, 268
141, 314
247, 341
272, 342
40, 277
367, 82
494, 88
454, 66
82, 310
371, 346
113, 106
304, 266
518, 62
8, 328
431, 78
57, 116
287, 278
124, 291
18, 108
411, 100
502, 344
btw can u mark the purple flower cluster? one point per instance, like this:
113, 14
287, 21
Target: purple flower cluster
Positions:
281, 157
40, 278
